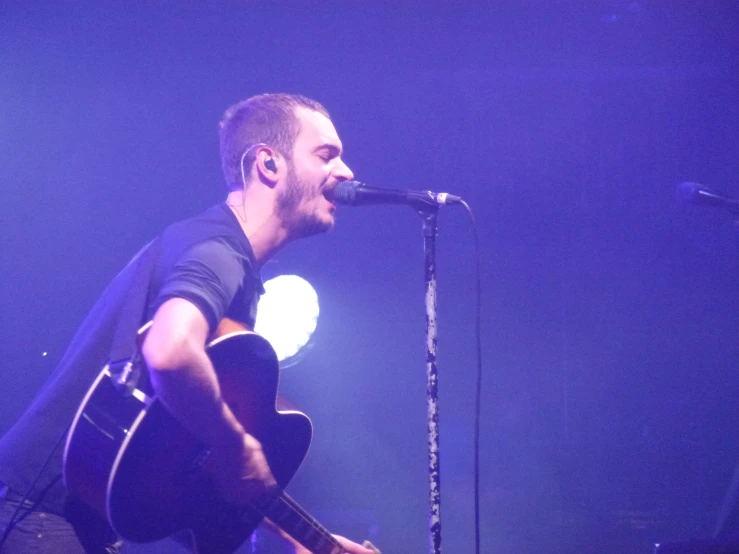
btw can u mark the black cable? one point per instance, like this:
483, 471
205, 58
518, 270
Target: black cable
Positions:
478, 385
15, 517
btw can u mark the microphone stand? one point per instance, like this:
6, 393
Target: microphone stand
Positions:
427, 205
429, 215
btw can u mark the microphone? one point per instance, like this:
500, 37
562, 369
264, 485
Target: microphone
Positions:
694, 193
354, 193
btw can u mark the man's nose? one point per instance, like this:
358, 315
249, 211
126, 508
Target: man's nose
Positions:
343, 172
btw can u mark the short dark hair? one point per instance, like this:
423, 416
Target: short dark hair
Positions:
268, 119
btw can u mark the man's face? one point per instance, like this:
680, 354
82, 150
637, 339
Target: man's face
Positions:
316, 168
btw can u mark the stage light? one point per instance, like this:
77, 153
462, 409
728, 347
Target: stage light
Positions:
287, 315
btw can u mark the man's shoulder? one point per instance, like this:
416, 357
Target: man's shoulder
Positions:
214, 220
215, 223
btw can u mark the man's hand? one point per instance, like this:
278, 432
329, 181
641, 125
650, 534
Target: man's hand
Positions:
349, 547
352, 547
242, 477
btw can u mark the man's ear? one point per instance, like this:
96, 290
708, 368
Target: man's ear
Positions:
267, 166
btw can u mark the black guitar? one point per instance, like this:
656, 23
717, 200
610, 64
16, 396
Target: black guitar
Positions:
138, 467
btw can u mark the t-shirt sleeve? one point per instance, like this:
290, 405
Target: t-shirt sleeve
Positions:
209, 275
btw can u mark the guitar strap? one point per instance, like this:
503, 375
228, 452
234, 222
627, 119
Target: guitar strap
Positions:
133, 313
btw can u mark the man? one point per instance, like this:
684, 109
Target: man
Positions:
281, 157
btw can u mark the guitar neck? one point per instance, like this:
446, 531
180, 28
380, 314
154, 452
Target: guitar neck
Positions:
289, 516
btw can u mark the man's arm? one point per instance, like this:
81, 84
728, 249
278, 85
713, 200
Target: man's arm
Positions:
186, 382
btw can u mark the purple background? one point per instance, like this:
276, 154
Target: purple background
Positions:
610, 313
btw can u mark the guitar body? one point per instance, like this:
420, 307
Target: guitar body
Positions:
140, 469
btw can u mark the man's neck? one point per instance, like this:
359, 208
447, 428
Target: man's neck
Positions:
260, 224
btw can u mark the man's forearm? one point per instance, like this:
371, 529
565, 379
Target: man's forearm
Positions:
192, 394
183, 375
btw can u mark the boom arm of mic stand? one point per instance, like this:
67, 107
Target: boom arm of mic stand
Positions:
429, 215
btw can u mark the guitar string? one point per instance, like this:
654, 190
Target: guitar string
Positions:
285, 498
310, 520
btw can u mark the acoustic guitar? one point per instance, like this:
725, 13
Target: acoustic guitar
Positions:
129, 459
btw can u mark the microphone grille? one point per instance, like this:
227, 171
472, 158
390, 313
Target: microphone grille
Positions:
345, 192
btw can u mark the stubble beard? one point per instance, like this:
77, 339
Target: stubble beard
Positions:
301, 224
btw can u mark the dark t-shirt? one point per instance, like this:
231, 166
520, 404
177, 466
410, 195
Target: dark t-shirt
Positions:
206, 260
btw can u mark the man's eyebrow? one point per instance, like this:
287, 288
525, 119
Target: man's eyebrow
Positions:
332, 148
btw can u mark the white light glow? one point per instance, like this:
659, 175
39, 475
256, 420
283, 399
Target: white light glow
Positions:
287, 315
